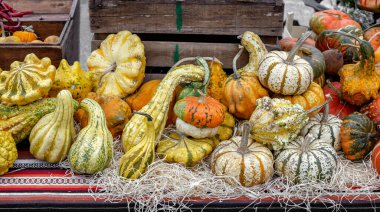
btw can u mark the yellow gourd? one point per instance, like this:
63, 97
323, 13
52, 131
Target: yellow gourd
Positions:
8, 151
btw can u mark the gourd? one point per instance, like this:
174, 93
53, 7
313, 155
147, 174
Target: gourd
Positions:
72, 78
314, 57
372, 110
27, 81
135, 161
116, 111
177, 148
52, 39
199, 117
334, 61
330, 19
118, 66
287, 43
368, 5
321, 81
325, 127
227, 128
158, 106
338, 106
26, 35
217, 80
20, 120
372, 35
313, 97
375, 159
306, 159
52, 136
358, 136
92, 150
360, 81
256, 49
8, 151
247, 162
286, 73
241, 90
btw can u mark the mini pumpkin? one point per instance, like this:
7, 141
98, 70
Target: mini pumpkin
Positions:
26, 35
314, 57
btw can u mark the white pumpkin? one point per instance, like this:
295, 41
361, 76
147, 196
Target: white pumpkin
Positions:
256, 49
195, 132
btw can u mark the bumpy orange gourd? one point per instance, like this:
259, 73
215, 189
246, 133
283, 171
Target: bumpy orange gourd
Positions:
217, 79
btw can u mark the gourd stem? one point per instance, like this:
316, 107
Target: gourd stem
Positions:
298, 45
244, 140
347, 35
236, 73
326, 111
202, 62
374, 25
108, 70
338, 92
181, 135
192, 59
202, 96
329, 99
149, 117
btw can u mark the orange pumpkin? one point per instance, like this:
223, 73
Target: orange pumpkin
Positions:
372, 35
330, 20
27, 35
376, 158
116, 110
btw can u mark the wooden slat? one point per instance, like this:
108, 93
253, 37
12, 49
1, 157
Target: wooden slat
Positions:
42, 6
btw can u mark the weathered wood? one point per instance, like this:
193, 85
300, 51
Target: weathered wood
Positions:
42, 6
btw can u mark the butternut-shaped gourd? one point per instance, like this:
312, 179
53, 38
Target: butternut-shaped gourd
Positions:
256, 49
92, 150
52, 136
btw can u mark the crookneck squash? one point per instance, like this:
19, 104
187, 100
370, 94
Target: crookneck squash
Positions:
92, 150
52, 136
256, 49
8, 151
118, 66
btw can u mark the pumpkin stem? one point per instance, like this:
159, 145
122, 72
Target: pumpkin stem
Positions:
149, 117
326, 111
236, 73
298, 45
27, 28
202, 97
108, 70
192, 59
329, 99
334, 89
243, 149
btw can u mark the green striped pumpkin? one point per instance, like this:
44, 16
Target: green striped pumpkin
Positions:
306, 159
92, 150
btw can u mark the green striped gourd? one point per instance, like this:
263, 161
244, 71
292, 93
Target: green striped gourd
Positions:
52, 136
256, 49
92, 150
158, 106
307, 159
135, 161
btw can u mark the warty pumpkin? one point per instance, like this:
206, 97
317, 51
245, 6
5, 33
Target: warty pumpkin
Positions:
8, 151
118, 66
52, 136
27, 81
286, 73
247, 162
256, 49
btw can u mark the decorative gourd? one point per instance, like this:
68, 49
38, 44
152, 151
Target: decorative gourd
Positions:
118, 66
177, 148
360, 81
313, 97
330, 19
248, 162
20, 120
135, 161
338, 106
27, 81
241, 90
72, 78
278, 121
52, 136
116, 111
288, 43
306, 159
372, 35
217, 80
314, 57
92, 150
52, 39
286, 73
8, 151
334, 61
226, 129
256, 49
375, 158
358, 135
26, 35
321, 81
158, 106
325, 127
372, 110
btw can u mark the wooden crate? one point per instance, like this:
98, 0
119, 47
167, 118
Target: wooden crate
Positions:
51, 17
172, 29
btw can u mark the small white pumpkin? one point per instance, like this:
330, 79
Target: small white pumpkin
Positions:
195, 132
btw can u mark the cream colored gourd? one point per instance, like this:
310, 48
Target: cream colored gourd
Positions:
92, 150
256, 49
52, 136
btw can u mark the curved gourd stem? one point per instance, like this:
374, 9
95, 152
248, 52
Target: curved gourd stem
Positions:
334, 89
187, 59
243, 149
326, 111
202, 62
298, 45
236, 73
202, 96
320, 106
148, 117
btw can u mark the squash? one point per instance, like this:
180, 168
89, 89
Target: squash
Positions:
72, 78
135, 161
358, 136
306, 159
334, 61
314, 57
52, 39
217, 80
227, 128
118, 66
360, 81
177, 148
158, 106
256, 49
10, 39
324, 126
375, 159
26, 35
52, 136
92, 150
241, 90
372, 110
116, 110
286, 73
27, 81
8, 151
330, 19
313, 97
247, 162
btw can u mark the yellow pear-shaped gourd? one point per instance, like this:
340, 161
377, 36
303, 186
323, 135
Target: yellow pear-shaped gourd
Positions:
52, 136
256, 49
8, 151
27, 81
72, 78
